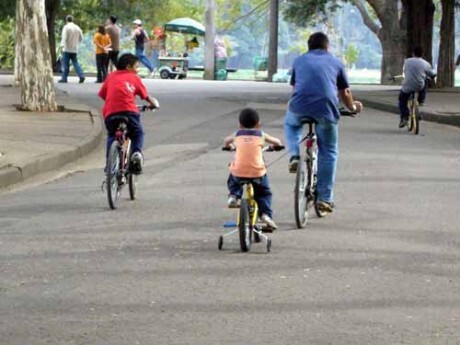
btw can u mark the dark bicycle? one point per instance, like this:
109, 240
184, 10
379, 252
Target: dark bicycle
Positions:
305, 194
120, 169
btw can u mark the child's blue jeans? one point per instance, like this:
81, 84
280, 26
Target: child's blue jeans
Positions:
262, 192
135, 131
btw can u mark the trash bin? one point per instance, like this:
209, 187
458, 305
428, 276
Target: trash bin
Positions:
260, 65
220, 69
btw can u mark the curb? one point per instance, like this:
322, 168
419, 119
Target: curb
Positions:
13, 175
451, 120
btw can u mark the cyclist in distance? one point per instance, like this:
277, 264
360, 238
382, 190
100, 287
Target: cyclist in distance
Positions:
415, 72
319, 80
119, 92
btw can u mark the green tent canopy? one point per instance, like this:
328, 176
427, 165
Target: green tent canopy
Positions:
185, 26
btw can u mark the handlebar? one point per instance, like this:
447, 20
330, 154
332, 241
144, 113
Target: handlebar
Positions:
346, 112
144, 107
265, 149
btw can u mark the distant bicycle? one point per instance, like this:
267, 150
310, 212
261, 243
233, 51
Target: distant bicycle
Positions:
119, 168
305, 194
248, 225
413, 122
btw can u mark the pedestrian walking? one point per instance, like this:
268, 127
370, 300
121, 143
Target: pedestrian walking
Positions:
140, 36
457, 63
72, 36
113, 30
102, 42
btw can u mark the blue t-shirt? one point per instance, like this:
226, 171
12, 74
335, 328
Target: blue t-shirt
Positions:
317, 76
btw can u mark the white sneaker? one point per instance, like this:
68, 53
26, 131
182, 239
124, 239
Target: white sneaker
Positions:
152, 75
232, 201
270, 223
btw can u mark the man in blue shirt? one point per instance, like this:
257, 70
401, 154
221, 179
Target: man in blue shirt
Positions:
319, 80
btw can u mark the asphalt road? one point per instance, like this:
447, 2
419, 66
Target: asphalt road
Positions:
383, 269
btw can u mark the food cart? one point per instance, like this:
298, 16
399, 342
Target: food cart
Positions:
172, 66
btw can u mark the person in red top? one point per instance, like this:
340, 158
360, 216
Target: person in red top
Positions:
119, 92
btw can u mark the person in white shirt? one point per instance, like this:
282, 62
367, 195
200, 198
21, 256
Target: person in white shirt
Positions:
72, 36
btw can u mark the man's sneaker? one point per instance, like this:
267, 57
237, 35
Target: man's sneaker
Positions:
82, 80
232, 201
293, 164
152, 74
267, 220
325, 206
421, 104
137, 162
62, 81
403, 123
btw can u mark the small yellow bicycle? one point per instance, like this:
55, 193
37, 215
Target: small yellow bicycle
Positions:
248, 226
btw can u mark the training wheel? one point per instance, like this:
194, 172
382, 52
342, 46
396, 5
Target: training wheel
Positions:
221, 242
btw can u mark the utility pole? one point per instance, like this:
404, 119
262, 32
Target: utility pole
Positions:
209, 41
273, 41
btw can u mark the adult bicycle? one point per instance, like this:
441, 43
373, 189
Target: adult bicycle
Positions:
305, 193
248, 226
120, 169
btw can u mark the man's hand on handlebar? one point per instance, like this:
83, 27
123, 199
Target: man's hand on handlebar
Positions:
358, 106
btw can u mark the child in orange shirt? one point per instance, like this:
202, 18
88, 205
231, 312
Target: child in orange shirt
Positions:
249, 164
102, 42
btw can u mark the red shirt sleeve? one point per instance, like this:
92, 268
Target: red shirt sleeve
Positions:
103, 91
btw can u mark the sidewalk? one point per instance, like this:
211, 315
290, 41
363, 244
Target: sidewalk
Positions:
442, 106
33, 143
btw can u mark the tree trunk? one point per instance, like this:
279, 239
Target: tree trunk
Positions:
390, 32
273, 42
209, 37
446, 77
34, 60
420, 16
52, 7
392, 57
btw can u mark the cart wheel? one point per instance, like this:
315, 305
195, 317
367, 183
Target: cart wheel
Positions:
269, 245
164, 74
173, 76
221, 242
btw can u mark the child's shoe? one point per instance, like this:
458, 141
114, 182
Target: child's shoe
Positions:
232, 201
137, 161
267, 220
293, 164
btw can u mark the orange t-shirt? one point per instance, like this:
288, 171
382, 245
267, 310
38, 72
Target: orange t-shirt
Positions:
249, 161
102, 40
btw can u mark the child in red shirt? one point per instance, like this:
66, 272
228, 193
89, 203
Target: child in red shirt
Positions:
119, 92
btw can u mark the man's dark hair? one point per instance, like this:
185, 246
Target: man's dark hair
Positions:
417, 51
69, 18
126, 60
113, 19
318, 40
249, 118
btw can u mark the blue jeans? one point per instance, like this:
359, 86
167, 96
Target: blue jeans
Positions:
144, 59
262, 192
135, 132
327, 134
66, 58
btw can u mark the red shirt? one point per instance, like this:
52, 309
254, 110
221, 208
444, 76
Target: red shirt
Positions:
119, 92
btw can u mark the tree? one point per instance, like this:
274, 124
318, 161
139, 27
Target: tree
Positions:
446, 76
33, 60
351, 55
388, 26
419, 28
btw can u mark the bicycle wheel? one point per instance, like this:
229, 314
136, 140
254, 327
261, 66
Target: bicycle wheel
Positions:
410, 123
132, 180
300, 196
244, 227
415, 119
113, 170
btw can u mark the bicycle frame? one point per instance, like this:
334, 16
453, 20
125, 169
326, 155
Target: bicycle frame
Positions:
248, 194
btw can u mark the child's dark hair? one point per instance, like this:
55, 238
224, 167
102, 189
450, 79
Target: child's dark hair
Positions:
126, 60
249, 118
